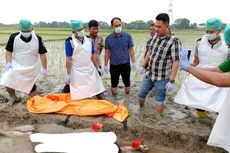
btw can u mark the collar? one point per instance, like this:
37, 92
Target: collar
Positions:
216, 45
119, 35
26, 39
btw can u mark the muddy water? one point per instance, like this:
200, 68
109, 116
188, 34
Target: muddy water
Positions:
13, 144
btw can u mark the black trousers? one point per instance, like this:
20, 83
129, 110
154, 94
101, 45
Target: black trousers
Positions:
116, 71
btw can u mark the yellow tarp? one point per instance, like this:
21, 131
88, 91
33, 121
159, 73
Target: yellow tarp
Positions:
62, 103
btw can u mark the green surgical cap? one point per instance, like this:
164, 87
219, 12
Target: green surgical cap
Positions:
25, 25
213, 24
227, 34
76, 25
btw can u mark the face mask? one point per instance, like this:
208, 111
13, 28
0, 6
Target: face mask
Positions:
26, 34
81, 33
118, 29
211, 36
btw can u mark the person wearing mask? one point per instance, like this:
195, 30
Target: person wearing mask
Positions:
210, 51
25, 60
82, 64
163, 63
218, 76
118, 51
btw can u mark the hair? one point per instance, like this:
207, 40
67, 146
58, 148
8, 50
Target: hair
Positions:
152, 24
92, 23
115, 19
163, 17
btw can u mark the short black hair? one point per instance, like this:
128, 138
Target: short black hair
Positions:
152, 24
92, 23
163, 17
115, 19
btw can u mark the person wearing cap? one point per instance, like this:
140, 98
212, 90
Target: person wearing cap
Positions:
82, 64
218, 76
211, 50
24, 51
118, 51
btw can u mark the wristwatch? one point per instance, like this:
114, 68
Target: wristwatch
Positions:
172, 81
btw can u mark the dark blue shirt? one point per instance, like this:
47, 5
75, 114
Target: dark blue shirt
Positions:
69, 48
119, 48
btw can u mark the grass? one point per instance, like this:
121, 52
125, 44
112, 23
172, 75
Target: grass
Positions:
54, 41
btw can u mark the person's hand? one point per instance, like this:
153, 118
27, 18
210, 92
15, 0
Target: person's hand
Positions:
106, 69
68, 79
184, 62
8, 66
141, 70
101, 71
134, 67
44, 73
169, 87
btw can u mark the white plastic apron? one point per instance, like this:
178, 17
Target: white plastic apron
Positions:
26, 65
220, 135
198, 94
86, 81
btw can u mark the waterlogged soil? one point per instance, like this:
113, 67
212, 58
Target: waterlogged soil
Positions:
177, 130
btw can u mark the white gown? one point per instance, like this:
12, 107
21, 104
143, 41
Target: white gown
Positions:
220, 135
26, 65
198, 94
86, 81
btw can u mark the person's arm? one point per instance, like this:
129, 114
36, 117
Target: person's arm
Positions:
9, 48
175, 50
131, 49
95, 60
69, 53
147, 58
214, 78
101, 45
68, 64
94, 56
195, 61
175, 67
107, 56
8, 56
196, 52
43, 60
212, 69
132, 54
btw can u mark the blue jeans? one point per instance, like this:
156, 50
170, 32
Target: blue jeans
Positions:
147, 85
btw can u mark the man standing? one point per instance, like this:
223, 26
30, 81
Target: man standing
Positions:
210, 51
82, 64
119, 49
22, 67
93, 33
220, 135
163, 63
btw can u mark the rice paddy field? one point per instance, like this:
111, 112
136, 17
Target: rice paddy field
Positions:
54, 39
177, 130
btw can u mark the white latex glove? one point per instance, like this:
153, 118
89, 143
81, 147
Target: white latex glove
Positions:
68, 79
106, 69
101, 71
44, 73
169, 87
134, 67
141, 70
8, 66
